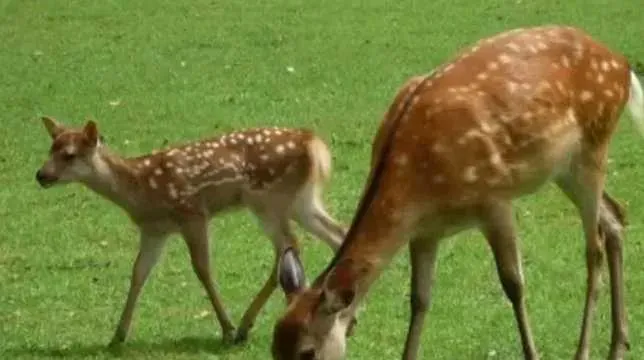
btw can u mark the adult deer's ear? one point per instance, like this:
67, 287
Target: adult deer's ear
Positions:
339, 288
52, 126
290, 273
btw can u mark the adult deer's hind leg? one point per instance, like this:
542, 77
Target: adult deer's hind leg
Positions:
584, 185
612, 220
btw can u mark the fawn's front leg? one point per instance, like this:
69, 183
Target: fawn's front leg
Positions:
150, 246
195, 233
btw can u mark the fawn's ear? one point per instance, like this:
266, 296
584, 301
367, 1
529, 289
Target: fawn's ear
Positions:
53, 127
91, 132
339, 288
290, 273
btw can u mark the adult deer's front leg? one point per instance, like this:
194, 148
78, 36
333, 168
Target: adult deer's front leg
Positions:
498, 228
195, 233
422, 253
150, 246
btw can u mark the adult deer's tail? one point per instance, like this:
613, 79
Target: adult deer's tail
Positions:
636, 103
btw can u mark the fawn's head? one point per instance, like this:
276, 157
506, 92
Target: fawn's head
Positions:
315, 324
71, 155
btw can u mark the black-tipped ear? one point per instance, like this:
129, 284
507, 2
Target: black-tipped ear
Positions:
290, 272
91, 132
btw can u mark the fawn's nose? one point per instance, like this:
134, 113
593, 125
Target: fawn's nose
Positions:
43, 179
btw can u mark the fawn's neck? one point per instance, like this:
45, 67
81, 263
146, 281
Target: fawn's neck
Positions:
115, 179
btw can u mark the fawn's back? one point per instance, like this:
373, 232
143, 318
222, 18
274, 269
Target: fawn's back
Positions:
221, 172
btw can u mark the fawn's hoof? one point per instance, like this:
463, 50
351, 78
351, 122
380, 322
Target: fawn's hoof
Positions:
241, 337
350, 328
117, 340
229, 335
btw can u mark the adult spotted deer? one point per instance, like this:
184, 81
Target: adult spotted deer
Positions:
506, 116
276, 173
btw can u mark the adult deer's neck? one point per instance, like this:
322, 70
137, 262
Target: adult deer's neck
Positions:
115, 178
376, 237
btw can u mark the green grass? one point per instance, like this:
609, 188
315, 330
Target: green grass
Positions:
152, 71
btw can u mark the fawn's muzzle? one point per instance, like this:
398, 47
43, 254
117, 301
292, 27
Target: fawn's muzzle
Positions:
45, 180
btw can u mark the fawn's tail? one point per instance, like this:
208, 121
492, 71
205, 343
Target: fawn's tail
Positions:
321, 159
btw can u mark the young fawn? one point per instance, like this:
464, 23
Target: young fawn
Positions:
505, 117
276, 173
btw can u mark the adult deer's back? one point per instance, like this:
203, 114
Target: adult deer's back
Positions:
457, 146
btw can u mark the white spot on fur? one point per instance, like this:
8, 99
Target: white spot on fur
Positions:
561, 86
512, 86
469, 175
527, 115
158, 171
172, 191
600, 78
585, 96
153, 183
513, 46
290, 145
279, 149
504, 58
402, 160
482, 76
565, 61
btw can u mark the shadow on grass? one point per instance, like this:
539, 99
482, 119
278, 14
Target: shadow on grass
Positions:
187, 345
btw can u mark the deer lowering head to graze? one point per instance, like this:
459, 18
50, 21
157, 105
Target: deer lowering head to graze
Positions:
508, 115
277, 173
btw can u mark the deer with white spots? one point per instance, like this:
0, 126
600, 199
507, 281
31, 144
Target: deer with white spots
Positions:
277, 173
456, 147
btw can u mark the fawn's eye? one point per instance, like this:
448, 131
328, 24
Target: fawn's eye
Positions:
307, 354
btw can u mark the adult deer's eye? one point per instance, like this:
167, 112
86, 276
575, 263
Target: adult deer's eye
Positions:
307, 354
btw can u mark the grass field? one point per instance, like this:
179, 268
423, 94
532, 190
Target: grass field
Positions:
157, 71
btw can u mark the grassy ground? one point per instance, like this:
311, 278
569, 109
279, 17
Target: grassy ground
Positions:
153, 71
